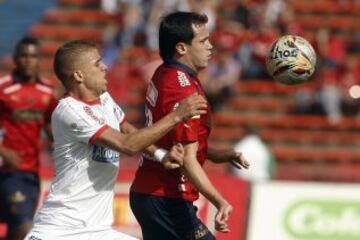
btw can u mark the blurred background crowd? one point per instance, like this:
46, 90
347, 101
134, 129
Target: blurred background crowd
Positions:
242, 32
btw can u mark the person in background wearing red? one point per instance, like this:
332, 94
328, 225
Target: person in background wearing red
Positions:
26, 104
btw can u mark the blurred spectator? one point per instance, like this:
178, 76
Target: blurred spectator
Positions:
273, 10
132, 22
223, 70
330, 93
307, 102
261, 40
288, 25
159, 8
261, 157
349, 84
331, 47
26, 104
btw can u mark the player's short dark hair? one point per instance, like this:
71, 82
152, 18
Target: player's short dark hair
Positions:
66, 57
26, 40
177, 27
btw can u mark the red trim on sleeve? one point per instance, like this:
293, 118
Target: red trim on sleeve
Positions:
97, 134
124, 119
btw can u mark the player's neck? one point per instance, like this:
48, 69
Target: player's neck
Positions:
86, 96
186, 62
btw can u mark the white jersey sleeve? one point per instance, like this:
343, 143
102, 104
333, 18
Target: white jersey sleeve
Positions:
83, 122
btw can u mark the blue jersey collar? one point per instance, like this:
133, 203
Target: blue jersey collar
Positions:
183, 67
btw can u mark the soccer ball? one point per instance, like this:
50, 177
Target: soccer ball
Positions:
291, 60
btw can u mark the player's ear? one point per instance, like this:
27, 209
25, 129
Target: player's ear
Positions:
78, 76
181, 48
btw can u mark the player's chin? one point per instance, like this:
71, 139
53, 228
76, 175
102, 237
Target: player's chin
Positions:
203, 65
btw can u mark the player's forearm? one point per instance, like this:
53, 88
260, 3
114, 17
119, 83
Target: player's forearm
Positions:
197, 176
214, 155
129, 128
143, 138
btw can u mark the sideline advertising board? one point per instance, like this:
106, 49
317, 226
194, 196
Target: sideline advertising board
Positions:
236, 191
304, 211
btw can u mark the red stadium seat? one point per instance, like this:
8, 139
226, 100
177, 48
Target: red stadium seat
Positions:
303, 136
308, 154
79, 16
269, 87
48, 48
66, 32
256, 103
285, 121
232, 134
322, 172
80, 3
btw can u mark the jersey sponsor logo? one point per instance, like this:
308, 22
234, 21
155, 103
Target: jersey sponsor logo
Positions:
152, 94
105, 155
183, 80
90, 113
27, 115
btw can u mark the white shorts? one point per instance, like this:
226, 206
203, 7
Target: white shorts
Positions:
109, 234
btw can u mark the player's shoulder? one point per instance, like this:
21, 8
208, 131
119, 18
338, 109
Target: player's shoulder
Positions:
44, 88
173, 77
6, 81
66, 109
67, 104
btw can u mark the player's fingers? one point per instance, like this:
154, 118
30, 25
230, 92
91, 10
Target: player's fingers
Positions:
180, 148
222, 227
173, 165
219, 218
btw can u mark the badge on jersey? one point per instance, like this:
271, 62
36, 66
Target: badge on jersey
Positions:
105, 155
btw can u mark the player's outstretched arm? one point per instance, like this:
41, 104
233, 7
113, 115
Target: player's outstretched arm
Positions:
237, 159
137, 141
170, 159
197, 176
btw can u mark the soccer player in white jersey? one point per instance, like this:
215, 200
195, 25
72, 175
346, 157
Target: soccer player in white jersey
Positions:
90, 132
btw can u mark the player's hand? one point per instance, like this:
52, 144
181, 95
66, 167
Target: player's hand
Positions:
222, 216
175, 157
192, 106
12, 159
237, 159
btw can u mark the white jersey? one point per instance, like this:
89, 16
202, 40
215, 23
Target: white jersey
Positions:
81, 194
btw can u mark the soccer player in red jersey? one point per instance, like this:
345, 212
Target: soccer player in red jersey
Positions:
26, 104
162, 200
